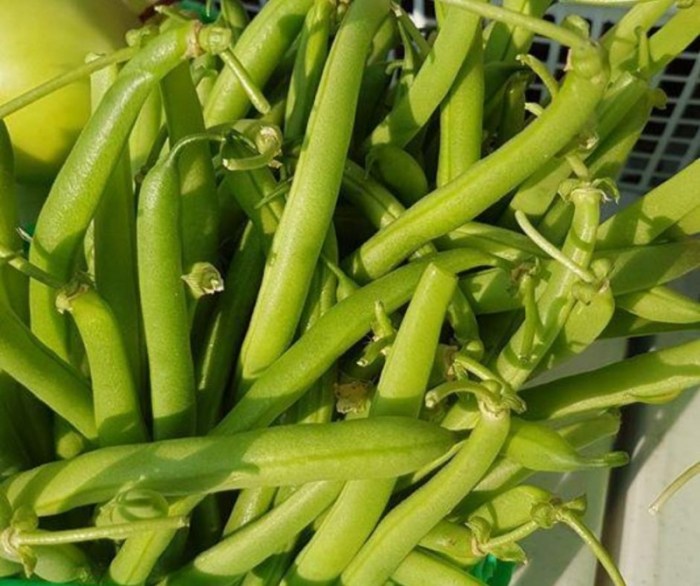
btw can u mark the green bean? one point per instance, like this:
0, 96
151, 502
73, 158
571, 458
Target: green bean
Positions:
44, 374
505, 41
330, 337
432, 82
688, 225
115, 242
452, 541
399, 392
282, 455
308, 66
163, 303
243, 550
461, 117
200, 207
250, 505
484, 183
650, 216
226, 329
420, 568
115, 398
259, 49
406, 524
76, 192
648, 377
673, 38
661, 304
511, 118
538, 447
298, 240
626, 325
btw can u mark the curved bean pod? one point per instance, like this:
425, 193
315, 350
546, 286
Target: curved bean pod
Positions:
419, 568
115, 398
246, 548
381, 447
642, 378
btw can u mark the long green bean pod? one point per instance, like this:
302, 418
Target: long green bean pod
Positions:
487, 181
400, 392
199, 219
115, 398
279, 456
163, 302
648, 377
115, 241
244, 549
259, 49
298, 240
308, 66
76, 192
420, 567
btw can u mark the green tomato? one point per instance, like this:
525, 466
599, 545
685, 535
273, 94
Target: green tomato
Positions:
42, 39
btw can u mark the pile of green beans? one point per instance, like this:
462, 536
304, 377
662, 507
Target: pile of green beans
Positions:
283, 313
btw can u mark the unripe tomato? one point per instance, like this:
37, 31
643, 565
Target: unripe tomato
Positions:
41, 39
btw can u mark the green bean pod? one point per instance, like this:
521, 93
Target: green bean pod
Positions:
452, 541
297, 243
648, 377
145, 132
163, 302
76, 192
259, 50
538, 447
664, 206
279, 456
244, 549
13, 455
461, 116
399, 392
334, 333
486, 182
115, 242
661, 304
199, 219
250, 189
308, 66
115, 398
